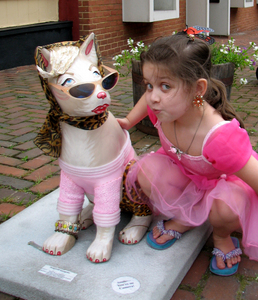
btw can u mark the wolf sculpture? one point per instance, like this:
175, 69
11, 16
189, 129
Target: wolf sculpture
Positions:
92, 148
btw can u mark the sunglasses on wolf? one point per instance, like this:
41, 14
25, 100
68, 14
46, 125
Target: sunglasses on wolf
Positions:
85, 90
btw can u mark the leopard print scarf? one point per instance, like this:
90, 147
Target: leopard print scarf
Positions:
49, 138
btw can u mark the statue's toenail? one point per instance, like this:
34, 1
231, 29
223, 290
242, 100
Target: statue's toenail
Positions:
58, 253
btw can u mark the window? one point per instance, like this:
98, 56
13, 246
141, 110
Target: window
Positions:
241, 3
150, 10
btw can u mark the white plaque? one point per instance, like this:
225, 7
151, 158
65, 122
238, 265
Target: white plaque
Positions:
125, 285
57, 273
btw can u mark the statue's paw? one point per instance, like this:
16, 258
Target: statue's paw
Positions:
135, 230
86, 217
99, 252
101, 248
59, 243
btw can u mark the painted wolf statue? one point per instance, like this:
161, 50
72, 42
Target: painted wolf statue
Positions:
94, 151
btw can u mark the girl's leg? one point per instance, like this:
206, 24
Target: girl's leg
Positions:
224, 222
171, 224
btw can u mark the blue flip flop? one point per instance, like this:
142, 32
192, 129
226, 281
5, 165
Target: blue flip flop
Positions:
226, 271
152, 242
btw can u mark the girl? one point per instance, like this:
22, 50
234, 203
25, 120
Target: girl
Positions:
206, 168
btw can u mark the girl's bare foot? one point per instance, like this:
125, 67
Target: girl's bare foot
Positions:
170, 224
225, 245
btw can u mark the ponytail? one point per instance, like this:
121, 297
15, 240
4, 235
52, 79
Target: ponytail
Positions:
217, 98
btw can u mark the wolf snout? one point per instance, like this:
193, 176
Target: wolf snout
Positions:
102, 95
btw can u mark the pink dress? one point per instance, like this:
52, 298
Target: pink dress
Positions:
184, 186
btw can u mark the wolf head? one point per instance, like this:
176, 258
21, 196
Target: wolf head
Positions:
75, 78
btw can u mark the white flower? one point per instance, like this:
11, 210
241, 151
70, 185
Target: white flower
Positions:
116, 64
237, 50
243, 81
135, 50
140, 44
130, 41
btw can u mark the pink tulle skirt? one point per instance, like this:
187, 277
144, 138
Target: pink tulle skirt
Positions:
188, 198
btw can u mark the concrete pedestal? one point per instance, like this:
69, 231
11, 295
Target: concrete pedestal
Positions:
138, 272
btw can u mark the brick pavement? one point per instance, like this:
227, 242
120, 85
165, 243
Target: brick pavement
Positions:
26, 174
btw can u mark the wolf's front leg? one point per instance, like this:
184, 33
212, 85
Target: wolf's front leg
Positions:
135, 230
101, 248
60, 242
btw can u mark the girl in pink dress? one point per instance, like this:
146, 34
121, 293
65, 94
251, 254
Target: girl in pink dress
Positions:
206, 167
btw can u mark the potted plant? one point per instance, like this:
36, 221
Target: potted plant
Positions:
226, 60
129, 62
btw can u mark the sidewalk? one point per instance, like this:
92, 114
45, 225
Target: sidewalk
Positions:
26, 174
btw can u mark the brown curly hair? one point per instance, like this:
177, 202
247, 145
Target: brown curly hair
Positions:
189, 59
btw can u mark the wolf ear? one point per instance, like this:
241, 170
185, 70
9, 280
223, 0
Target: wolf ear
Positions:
88, 49
45, 56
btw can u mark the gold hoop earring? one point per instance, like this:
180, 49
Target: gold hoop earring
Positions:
198, 101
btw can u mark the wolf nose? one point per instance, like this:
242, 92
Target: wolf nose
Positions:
102, 95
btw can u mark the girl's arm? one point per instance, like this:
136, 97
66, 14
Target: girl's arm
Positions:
138, 112
249, 173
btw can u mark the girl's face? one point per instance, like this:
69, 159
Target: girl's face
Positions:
167, 96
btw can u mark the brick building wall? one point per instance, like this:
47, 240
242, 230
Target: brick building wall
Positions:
244, 19
104, 18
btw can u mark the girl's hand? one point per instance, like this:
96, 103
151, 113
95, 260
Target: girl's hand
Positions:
124, 123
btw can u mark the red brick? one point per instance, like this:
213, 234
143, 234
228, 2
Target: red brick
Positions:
221, 288
197, 270
4, 131
36, 162
31, 153
12, 171
14, 109
182, 295
22, 131
248, 267
9, 161
37, 111
8, 152
47, 185
42, 172
26, 146
251, 291
10, 209
17, 120
16, 115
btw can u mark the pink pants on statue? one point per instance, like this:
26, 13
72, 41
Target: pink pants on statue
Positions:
104, 182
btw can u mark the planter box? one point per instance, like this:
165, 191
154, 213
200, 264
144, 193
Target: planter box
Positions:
225, 73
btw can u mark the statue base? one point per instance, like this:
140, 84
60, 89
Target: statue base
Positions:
137, 271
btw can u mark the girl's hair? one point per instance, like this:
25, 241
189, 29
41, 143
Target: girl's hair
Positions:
189, 59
